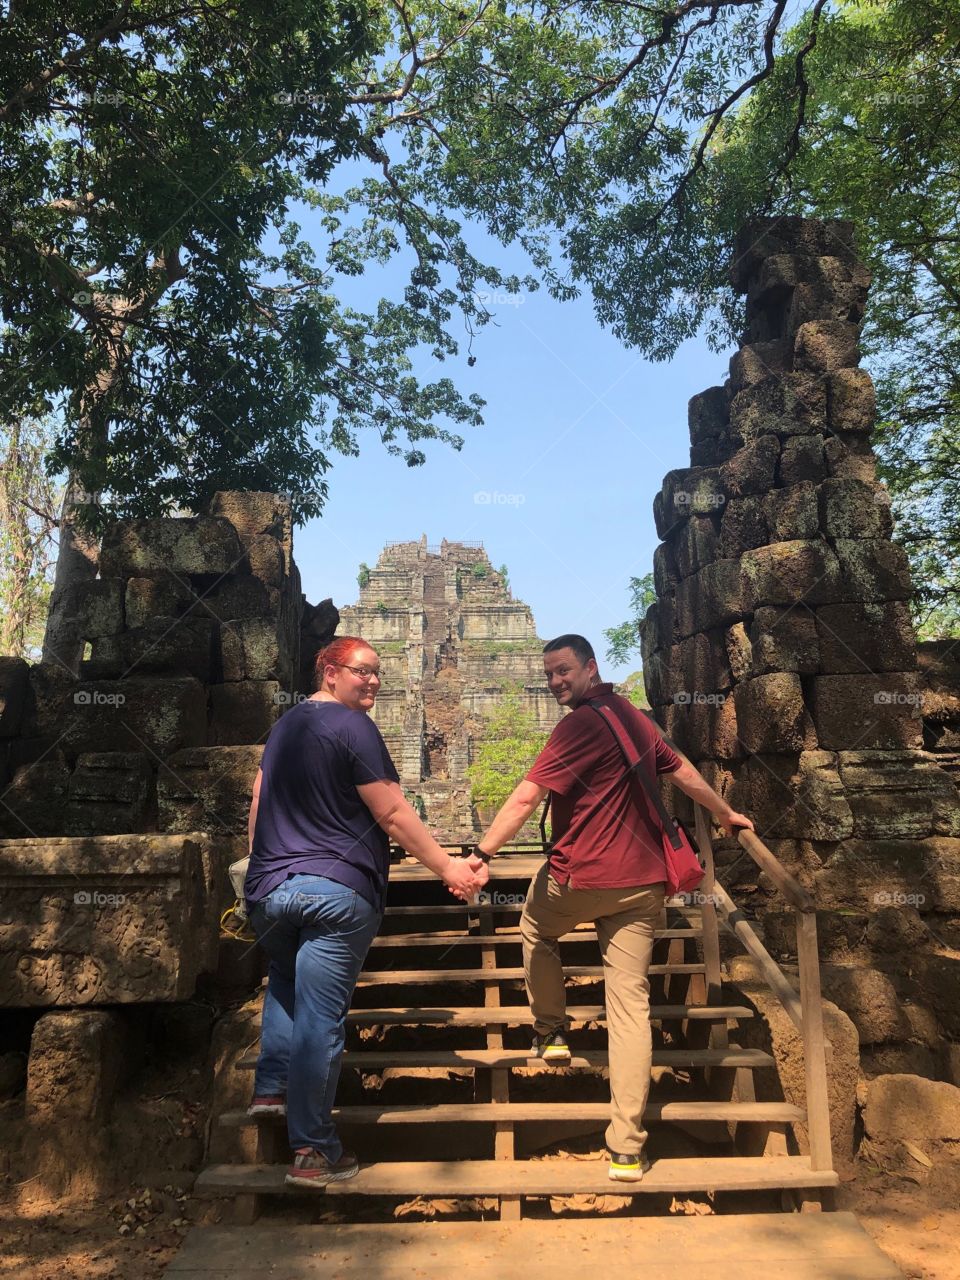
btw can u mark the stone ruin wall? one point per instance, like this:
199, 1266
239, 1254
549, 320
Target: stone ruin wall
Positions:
451, 639
781, 657
125, 792
126, 783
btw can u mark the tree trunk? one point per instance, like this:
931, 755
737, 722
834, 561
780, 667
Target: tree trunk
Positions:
79, 553
77, 561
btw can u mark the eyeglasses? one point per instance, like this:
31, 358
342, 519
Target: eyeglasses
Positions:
364, 673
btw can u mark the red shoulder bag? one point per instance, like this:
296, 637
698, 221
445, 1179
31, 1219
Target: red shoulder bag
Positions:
683, 870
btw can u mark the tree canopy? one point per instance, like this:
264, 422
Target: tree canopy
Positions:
29, 502
158, 293
623, 641
156, 289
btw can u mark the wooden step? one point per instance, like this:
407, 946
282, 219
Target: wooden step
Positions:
525, 1112
415, 977
509, 936
493, 908
362, 1060
520, 1015
529, 1177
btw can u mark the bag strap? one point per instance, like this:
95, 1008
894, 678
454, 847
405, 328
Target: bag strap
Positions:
543, 820
631, 755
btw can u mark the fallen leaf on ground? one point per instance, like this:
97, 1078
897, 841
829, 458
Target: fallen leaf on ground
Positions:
921, 1157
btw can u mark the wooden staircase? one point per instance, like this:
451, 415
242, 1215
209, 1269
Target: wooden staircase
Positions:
441, 1007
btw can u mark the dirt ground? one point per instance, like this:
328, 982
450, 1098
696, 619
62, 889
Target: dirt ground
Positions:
912, 1213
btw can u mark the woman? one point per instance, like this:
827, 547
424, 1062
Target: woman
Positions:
326, 803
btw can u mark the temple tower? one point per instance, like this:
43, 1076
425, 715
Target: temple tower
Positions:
451, 639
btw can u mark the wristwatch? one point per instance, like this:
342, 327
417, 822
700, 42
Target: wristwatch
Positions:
477, 852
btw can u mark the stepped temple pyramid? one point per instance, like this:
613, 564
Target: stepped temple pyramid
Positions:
452, 639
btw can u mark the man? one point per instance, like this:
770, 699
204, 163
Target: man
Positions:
606, 865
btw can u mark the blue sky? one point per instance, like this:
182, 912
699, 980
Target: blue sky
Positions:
578, 434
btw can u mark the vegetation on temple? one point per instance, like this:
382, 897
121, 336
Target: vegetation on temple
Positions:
633, 689
493, 648
511, 742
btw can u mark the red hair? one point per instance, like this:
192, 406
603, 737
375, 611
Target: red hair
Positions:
339, 652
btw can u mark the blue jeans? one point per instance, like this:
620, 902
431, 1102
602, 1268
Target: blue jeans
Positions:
317, 934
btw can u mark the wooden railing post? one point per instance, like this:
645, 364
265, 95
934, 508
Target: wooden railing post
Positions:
814, 1042
805, 1012
708, 908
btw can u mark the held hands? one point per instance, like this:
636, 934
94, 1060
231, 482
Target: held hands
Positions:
731, 820
465, 877
481, 869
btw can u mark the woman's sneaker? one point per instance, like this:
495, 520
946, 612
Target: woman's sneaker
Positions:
312, 1168
268, 1105
628, 1168
552, 1047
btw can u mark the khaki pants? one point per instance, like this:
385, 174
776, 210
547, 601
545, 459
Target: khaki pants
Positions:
625, 920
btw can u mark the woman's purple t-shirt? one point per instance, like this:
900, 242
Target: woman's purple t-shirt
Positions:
310, 818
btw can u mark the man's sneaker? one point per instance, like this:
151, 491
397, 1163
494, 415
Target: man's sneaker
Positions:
312, 1169
627, 1167
552, 1047
268, 1105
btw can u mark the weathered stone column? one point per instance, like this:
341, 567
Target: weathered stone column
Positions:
780, 653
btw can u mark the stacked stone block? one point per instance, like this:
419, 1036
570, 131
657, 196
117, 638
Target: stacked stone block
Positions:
191, 637
113, 920
126, 786
780, 653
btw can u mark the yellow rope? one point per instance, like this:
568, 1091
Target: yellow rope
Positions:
233, 926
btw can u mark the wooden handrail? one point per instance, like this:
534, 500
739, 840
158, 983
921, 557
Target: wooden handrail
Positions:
806, 1009
773, 975
792, 889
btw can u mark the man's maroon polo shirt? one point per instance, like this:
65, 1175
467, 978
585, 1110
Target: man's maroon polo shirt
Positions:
605, 835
